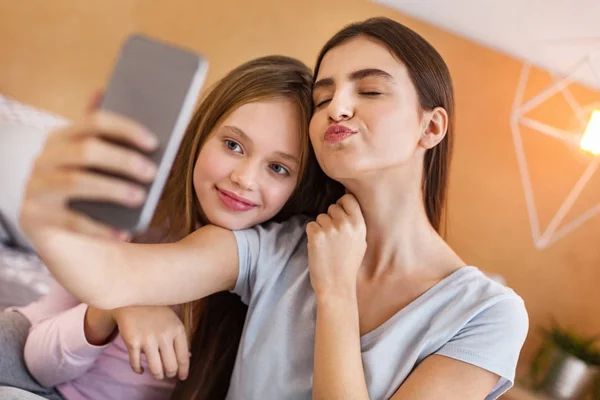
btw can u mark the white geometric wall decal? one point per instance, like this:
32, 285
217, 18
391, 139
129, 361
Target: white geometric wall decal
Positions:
545, 238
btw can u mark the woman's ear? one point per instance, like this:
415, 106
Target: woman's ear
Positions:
435, 127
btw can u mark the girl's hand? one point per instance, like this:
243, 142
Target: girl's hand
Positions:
158, 333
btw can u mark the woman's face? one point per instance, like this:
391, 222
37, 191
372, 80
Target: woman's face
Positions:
367, 116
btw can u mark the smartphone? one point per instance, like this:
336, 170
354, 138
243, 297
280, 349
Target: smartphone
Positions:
156, 84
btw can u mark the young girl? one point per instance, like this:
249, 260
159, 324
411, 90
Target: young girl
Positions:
366, 302
245, 159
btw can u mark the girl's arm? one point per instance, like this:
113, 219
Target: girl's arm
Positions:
57, 351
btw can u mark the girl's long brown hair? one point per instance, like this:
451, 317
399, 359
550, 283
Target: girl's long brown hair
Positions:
214, 324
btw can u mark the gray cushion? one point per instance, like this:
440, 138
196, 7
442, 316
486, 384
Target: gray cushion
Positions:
5, 237
23, 277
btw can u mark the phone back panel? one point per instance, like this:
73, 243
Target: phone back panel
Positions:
157, 85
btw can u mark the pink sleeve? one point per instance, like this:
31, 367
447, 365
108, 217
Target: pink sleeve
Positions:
57, 350
56, 301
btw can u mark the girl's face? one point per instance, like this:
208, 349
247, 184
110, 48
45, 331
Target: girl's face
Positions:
248, 168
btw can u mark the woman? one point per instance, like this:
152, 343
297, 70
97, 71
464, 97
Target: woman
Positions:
368, 301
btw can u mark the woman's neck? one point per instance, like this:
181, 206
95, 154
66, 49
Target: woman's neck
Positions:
400, 238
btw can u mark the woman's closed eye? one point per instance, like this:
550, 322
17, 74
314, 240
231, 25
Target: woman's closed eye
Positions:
321, 103
370, 93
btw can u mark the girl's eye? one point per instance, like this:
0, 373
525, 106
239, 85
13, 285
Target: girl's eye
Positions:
279, 169
233, 146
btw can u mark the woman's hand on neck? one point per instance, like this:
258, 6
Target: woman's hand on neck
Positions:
399, 234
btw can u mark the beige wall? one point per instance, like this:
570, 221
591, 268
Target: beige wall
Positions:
53, 54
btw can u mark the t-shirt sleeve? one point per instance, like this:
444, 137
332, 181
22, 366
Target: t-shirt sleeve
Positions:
264, 251
492, 340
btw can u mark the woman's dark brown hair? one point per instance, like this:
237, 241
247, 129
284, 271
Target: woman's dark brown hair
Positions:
431, 78
214, 324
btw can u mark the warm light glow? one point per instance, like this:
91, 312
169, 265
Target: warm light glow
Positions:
590, 141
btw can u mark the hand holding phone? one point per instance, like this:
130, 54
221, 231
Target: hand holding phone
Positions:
156, 85
103, 175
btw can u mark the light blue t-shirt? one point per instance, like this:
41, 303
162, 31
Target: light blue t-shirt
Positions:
466, 316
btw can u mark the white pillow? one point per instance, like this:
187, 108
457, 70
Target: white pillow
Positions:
23, 130
19, 145
17, 113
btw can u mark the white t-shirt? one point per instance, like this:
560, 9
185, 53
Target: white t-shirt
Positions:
466, 316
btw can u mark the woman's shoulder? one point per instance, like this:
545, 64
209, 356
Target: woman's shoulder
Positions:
487, 294
473, 278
